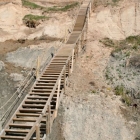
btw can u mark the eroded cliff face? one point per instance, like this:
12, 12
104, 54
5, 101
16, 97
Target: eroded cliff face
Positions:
118, 21
91, 110
12, 25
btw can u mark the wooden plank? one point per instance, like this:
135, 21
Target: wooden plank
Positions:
37, 132
57, 100
16, 130
36, 101
24, 119
27, 115
20, 125
24, 110
12, 137
48, 119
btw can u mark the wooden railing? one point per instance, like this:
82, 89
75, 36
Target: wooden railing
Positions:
71, 58
75, 48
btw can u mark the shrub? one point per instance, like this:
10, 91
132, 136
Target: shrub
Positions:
65, 8
119, 90
32, 5
34, 17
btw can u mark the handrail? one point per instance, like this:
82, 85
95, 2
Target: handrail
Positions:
38, 120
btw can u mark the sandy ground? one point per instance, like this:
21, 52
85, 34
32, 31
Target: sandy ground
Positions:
89, 110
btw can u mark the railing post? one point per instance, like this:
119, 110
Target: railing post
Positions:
90, 9
48, 121
76, 51
78, 48
69, 67
38, 67
72, 59
57, 100
65, 34
37, 132
65, 79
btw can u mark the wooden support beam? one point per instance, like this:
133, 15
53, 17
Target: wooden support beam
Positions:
37, 132
48, 121
38, 67
90, 10
57, 100
72, 59
64, 80
69, 67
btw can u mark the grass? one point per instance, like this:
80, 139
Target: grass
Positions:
31, 17
133, 40
108, 42
31, 5
130, 43
135, 61
94, 92
115, 1
120, 91
65, 8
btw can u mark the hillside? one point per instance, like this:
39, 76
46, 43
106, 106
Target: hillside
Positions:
102, 99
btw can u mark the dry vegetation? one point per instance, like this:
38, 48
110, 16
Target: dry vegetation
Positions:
123, 69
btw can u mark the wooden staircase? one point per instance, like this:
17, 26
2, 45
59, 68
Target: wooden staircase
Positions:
35, 115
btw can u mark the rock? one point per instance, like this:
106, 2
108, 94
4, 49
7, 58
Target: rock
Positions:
16, 77
2, 66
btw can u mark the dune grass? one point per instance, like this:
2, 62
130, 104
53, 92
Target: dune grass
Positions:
34, 17
65, 8
31, 5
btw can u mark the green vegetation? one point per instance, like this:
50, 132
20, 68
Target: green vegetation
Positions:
115, 1
31, 5
120, 91
131, 43
93, 92
108, 42
31, 17
133, 40
65, 8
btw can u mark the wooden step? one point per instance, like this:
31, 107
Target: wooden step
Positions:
16, 130
43, 87
24, 119
33, 106
27, 115
24, 110
41, 94
21, 125
45, 84
52, 74
12, 137
50, 78
47, 81
47, 75
35, 101
38, 97
41, 90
